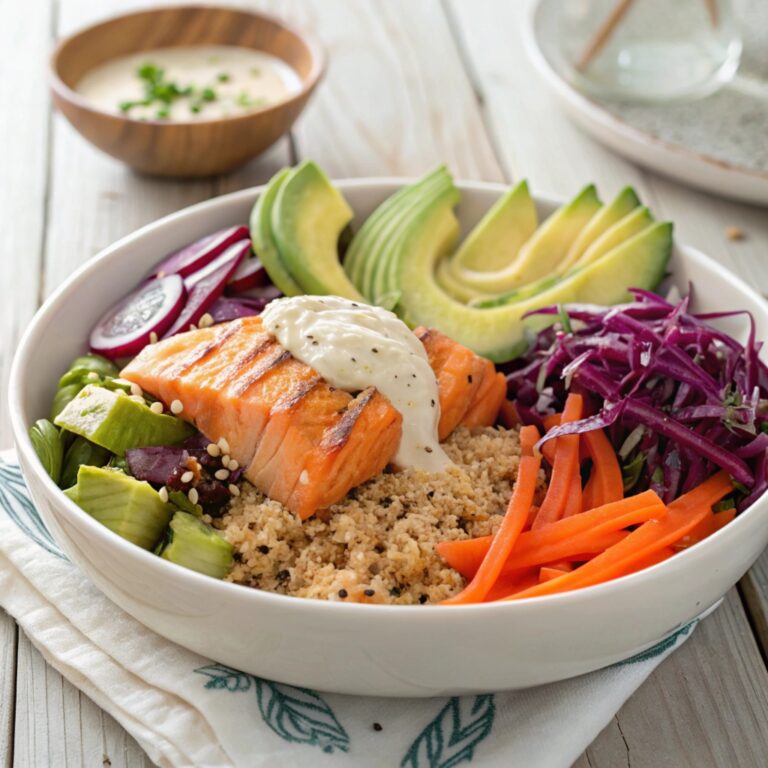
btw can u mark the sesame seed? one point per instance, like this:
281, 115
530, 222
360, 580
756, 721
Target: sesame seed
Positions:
221, 474
304, 477
163, 495
156, 407
136, 390
206, 321
213, 450
234, 490
193, 495
224, 445
225, 460
93, 376
152, 337
138, 399
122, 382
177, 407
188, 477
233, 465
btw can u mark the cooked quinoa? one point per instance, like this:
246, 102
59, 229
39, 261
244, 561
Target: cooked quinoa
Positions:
378, 544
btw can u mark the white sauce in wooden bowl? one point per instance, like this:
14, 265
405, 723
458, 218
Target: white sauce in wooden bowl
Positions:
189, 83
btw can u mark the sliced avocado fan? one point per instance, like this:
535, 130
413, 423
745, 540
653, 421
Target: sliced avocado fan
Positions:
264, 245
308, 216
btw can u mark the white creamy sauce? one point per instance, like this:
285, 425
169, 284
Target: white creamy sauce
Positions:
354, 346
239, 79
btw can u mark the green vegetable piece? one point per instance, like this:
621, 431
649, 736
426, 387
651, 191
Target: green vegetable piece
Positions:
85, 364
181, 500
208, 94
46, 440
130, 508
195, 545
630, 471
81, 452
117, 422
63, 397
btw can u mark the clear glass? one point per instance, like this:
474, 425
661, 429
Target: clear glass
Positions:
647, 50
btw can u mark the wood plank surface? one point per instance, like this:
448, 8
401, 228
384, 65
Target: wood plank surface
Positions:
25, 38
8, 633
410, 85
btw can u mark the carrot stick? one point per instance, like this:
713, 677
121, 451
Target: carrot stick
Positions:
657, 557
683, 515
569, 536
511, 526
574, 505
508, 414
509, 585
566, 463
551, 420
606, 472
706, 527
548, 572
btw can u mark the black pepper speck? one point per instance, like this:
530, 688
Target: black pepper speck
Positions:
378, 727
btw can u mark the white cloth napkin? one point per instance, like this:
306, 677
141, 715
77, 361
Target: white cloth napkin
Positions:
186, 710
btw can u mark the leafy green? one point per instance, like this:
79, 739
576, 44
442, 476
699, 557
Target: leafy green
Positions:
46, 440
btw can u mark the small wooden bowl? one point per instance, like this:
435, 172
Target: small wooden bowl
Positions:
182, 149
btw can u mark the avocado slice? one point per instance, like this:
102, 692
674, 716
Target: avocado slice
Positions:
538, 257
264, 245
193, 544
115, 421
308, 216
624, 203
499, 332
369, 235
386, 224
383, 286
632, 224
496, 239
129, 507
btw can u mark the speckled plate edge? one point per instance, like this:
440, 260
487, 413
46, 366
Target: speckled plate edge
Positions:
693, 168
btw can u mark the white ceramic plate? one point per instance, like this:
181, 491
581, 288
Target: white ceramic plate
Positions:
354, 648
701, 168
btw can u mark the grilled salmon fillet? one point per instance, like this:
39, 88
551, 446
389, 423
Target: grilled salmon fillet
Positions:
300, 440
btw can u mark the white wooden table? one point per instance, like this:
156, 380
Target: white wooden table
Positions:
411, 83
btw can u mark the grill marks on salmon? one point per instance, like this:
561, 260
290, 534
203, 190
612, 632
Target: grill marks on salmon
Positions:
301, 441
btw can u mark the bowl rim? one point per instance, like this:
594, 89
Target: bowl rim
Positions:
69, 95
224, 589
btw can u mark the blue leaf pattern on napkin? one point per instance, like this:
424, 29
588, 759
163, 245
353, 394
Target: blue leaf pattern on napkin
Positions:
297, 715
16, 503
451, 738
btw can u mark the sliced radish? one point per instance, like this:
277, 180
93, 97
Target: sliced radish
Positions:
196, 255
206, 285
267, 292
249, 274
152, 308
224, 309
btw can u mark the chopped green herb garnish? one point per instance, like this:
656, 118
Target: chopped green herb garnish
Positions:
208, 94
195, 108
163, 114
256, 71
223, 77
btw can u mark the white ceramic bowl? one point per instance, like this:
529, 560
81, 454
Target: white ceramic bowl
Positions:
350, 648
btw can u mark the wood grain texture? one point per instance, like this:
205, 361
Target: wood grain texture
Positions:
7, 687
56, 725
24, 136
689, 713
754, 592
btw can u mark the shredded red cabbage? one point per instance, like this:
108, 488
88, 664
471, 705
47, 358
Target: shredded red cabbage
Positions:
678, 398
